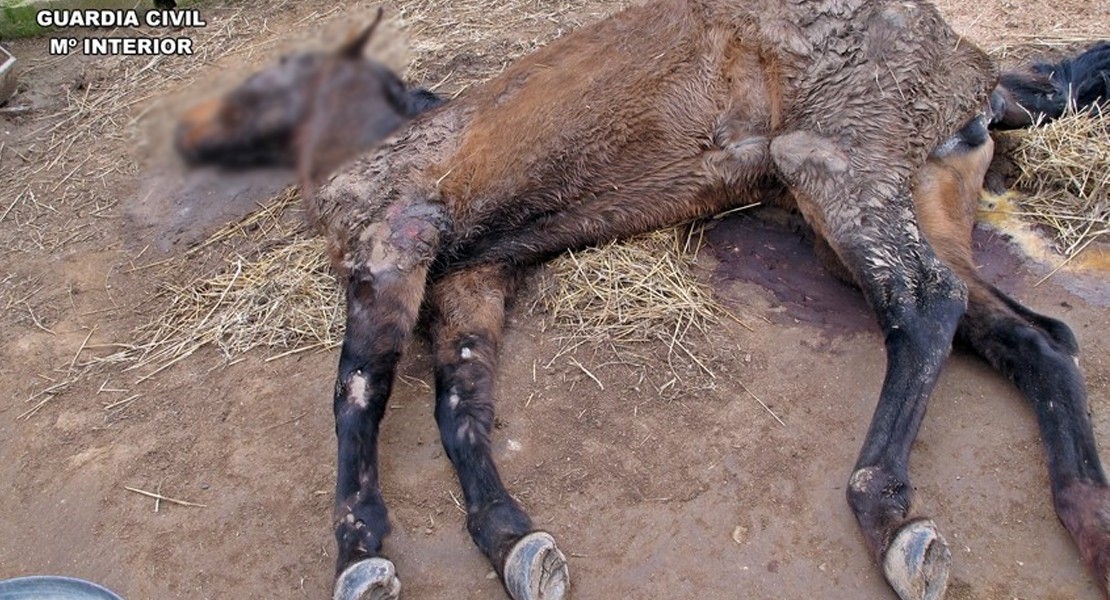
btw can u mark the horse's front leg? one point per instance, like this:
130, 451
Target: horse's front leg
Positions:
467, 318
385, 288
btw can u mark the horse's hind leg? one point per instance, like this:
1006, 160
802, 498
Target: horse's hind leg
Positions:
384, 293
467, 319
867, 218
1036, 352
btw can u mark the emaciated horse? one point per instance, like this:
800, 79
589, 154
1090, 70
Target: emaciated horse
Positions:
869, 117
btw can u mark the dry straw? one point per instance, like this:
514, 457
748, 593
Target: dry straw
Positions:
271, 288
643, 290
1065, 168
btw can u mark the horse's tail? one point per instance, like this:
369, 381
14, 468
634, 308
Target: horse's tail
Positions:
1043, 92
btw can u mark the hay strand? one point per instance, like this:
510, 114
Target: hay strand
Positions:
161, 498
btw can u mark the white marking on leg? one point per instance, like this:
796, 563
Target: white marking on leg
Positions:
463, 431
862, 478
453, 401
356, 390
465, 353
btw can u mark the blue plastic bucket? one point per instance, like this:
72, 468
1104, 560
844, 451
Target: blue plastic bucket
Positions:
50, 587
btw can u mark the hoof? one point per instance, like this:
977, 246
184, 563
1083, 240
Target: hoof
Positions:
370, 579
916, 563
536, 569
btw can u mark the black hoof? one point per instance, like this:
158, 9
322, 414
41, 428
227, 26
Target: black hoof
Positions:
536, 569
917, 562
370, 579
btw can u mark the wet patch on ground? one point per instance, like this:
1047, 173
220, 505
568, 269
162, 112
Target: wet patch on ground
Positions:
780, 259
1002, 263
999, 261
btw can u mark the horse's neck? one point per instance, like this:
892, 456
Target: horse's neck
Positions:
322, 153
339, 131
414, 158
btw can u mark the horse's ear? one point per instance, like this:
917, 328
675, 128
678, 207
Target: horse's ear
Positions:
353, 48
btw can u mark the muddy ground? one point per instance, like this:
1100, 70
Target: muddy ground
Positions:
694, 492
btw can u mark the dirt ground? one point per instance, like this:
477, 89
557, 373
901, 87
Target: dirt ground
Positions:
695, 492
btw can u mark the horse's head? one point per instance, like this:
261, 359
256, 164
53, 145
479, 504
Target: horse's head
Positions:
253, 124
312, 110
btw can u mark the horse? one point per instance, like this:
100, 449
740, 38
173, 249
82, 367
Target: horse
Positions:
869, 117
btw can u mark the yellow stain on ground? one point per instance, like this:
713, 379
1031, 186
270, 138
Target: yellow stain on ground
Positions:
1003, 213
